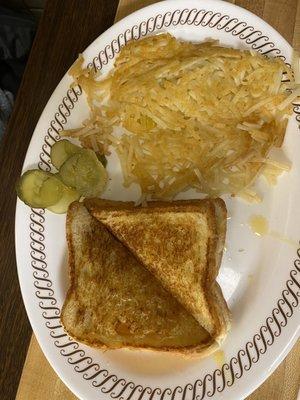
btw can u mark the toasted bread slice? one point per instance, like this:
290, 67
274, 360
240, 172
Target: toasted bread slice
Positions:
181, 244
114, 301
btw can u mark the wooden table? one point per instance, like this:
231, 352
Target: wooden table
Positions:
66, 28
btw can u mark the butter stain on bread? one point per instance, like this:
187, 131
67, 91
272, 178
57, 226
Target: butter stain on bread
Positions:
145, 277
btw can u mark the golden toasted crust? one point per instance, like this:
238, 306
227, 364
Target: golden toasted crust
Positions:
217, 302
199, 351
181, 243
78, 300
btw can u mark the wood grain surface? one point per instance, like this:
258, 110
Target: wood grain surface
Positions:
66, 28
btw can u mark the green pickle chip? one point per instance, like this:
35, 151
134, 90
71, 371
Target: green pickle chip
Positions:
84, 172
39, 189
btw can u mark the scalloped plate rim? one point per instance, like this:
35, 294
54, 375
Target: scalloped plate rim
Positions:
44, 341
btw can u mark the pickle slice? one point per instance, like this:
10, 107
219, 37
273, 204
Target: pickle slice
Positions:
85, 173
39, 189
69, 195
61, 151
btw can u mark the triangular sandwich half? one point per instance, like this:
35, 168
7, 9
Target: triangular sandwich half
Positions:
181, 244
114, 301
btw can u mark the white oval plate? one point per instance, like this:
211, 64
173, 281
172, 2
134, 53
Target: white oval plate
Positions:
260, 276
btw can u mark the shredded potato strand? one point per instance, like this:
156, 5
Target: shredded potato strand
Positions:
195, 115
